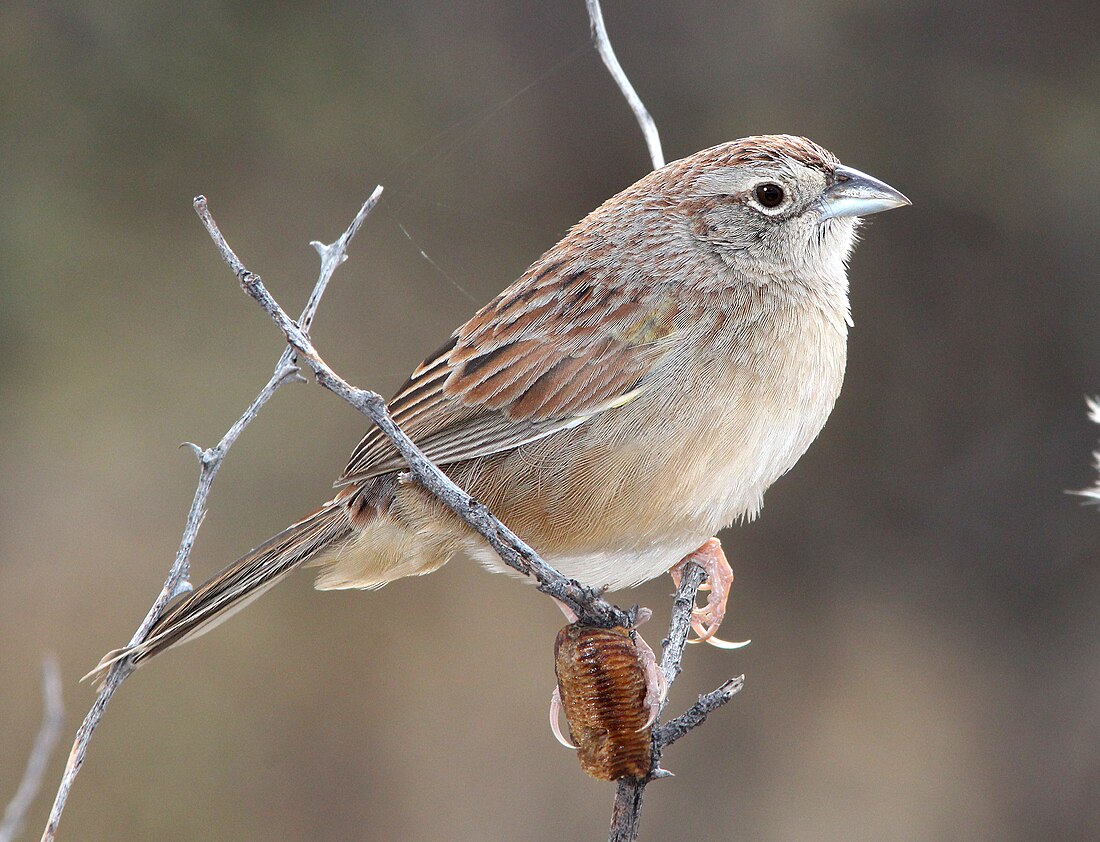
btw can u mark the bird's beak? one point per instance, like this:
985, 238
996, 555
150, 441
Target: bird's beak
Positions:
854, 193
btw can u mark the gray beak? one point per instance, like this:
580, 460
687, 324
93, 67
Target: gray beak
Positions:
855, 193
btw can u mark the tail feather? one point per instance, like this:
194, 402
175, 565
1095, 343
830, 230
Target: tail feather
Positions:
234, 587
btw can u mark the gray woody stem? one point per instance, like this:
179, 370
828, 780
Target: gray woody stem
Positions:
627, 811
611, 62
53, 717
210, 462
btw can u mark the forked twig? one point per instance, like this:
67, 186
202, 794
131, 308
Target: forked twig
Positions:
210, 461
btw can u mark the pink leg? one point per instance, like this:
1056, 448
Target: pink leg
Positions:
706, 620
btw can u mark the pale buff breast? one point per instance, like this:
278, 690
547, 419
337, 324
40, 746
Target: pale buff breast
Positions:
632, 492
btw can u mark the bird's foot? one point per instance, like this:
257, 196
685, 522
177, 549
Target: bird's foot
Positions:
706, 619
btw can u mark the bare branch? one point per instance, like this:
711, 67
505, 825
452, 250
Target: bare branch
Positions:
697, 714
611, 62
210, 462
627, 810
53, 717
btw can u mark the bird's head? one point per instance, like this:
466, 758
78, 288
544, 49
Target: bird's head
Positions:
777, 206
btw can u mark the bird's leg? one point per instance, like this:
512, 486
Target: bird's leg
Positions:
706, 620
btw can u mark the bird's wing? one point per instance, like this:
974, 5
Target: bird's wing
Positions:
562, 344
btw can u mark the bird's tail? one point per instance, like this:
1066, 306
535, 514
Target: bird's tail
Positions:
234, 587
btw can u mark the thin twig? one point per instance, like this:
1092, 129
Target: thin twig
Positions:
210, 462
697, 714
645, 121
627, 810
585, 601
53, 717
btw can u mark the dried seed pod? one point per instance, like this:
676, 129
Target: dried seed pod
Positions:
603, 691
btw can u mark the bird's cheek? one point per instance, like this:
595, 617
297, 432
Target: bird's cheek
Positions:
725, 232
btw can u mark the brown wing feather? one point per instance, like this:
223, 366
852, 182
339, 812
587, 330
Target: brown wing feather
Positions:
563, 343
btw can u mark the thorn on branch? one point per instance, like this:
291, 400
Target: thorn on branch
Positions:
182, 586
198, 452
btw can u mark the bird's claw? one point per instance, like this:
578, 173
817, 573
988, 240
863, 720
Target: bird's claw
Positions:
706, 619
555, 719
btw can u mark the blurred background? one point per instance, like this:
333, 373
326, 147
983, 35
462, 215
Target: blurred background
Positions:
922, 594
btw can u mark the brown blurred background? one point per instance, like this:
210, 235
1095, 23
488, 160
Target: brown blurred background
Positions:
922, 594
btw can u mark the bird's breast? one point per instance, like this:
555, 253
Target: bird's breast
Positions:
729, 414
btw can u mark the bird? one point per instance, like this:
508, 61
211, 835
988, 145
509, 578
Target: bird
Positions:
633, 392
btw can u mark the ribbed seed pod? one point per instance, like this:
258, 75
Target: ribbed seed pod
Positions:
602, 687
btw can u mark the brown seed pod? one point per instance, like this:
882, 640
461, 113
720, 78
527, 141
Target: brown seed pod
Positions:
603, 692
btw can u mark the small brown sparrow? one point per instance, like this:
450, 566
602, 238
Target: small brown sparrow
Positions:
635, 391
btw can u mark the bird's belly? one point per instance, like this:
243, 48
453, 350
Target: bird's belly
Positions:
616, 517
610, 568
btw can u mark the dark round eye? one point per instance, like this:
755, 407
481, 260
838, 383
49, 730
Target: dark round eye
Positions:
769, 195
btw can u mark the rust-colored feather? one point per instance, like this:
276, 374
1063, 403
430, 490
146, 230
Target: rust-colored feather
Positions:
532, 362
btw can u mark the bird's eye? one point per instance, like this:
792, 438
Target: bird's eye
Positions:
769, 195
